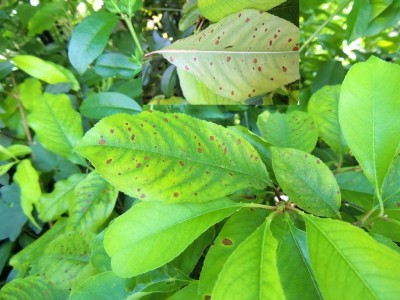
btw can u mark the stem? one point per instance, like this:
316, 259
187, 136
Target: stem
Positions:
22, 112
164, 9
367, 215
256, 205
338, 10
133, 33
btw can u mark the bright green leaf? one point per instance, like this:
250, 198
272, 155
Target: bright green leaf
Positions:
104, 104
239, 226
215, 10
57, 125
236, 61
93, 204
349, 264
28, 180
251, 271
4, 168
63, 258
116, 64
13, 151
137, 244
30, 92
307, 181
295, 129
378, 6
39, 69
105, 286
157, 156
23, 259
391, 187
32, 288
323, 108
98, 257
188, 292
369, 110
52, 205
89, 38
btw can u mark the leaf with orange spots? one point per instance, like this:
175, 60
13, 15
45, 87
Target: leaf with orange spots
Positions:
93, 203
172, 157
151, 234
246, 54
215, 10
307, 181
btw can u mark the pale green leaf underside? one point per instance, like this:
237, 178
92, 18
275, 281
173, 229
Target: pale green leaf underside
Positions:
57, 125
239, 226
93, 203
307, 181
40, 69
157, 156
196, 92
215, 10
295, 129
244, 55
140, 240
349, 264
52, 205
369, 110
251, 272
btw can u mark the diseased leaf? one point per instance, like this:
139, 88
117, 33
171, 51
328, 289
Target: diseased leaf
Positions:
323, 108
94, 201
215, 10
105, 104
369, 110
295, 129
32, 288
252, 267
239, 226
52, 205
57, 125
307, 181
137, 244
244, 55
89, 39
157, 156
348, 263
39, 69
63, 258
28, 180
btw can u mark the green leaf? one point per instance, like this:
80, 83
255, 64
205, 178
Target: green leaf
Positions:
378, 6
39, 69
244, 55
45, 17
215, 10
292, 258
295, 129
105, 286
98, 257
196, 92
341, 254
52, 205
6, 167
30, 92
23, 259
157, 156
168, 81
137, 244
89, 38
239, 226
188, 292
388, 225
93, 204
28, 180
116, 64
32, 288
6, 248
357, 20
100, 105
13, 151
307, 181
323, 108
63, 258
124, 6
11, 215
391, 188
369, 111
57, 125
252, 268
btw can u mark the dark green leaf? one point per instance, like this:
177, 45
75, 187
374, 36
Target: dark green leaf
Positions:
116, 64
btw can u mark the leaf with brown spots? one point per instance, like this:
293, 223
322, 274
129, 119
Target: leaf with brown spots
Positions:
253, 56
171, 165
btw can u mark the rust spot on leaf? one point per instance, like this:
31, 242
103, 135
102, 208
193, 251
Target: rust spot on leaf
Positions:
228, 59
247, 20
225, 150
138, 165
142, 196
133, 137
146, 158
102, 141
112, 130
239, 141
109, 161
176, 194
200, 150
211, 137
181, 163
165, 120
284, 69
227, 242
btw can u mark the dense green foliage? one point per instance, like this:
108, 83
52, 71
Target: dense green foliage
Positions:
103, 196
